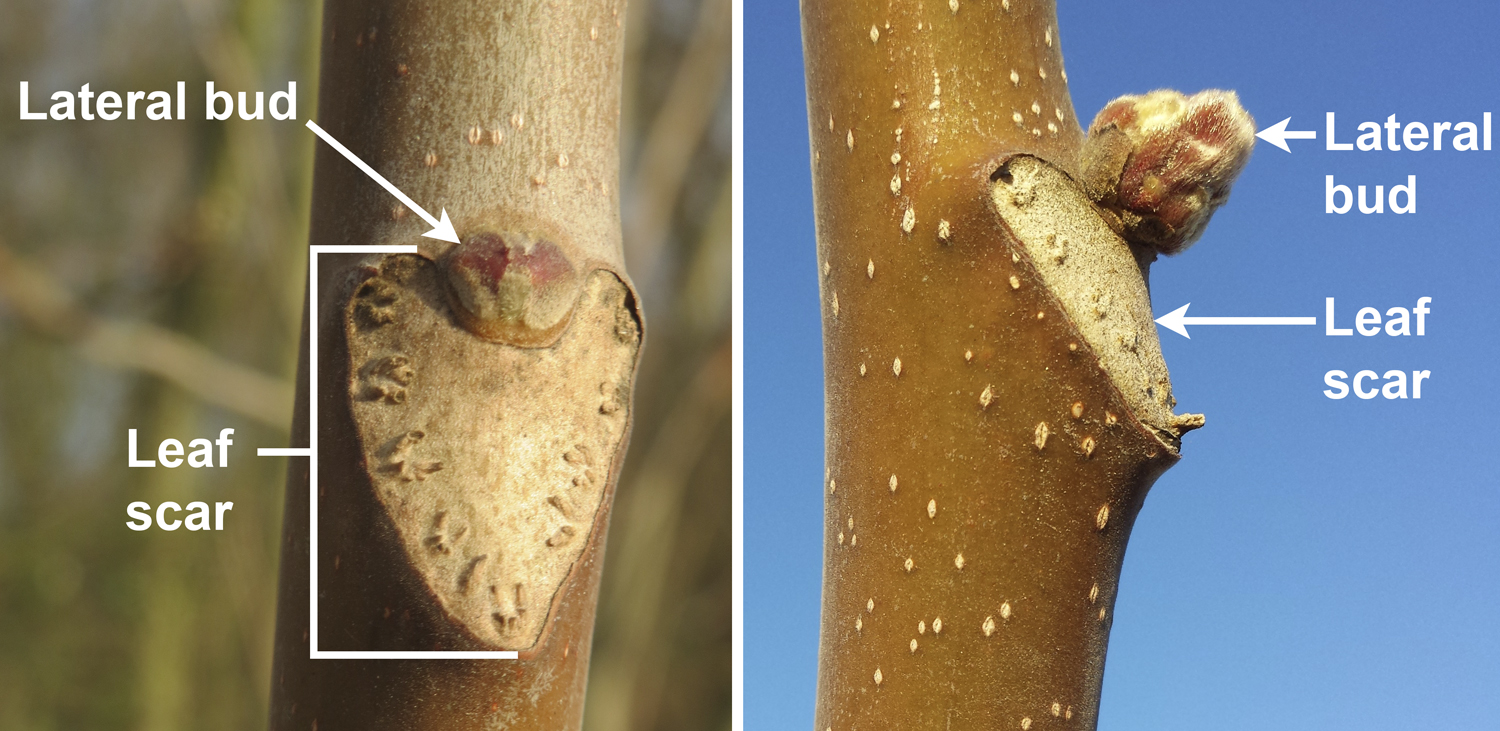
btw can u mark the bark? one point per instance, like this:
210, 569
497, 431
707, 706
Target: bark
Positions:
997, 405
474, 399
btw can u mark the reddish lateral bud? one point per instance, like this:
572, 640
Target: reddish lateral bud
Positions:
511, 288
1163, 162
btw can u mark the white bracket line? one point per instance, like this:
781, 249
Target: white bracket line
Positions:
311, 452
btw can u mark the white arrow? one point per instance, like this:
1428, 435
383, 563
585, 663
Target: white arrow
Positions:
1177, 321
441, 229
1277, 134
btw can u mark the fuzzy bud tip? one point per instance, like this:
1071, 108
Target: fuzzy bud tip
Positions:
1163, 162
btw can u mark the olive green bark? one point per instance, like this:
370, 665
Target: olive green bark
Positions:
987, 448
507, 117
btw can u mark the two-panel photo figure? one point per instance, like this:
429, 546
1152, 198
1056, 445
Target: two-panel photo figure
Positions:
728, 365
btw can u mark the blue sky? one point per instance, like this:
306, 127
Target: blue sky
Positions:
1311, 563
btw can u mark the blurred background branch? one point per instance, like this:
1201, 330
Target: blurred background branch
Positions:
41, 303
674, 136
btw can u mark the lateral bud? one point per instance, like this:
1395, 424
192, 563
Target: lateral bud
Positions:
1162, 163
511, 288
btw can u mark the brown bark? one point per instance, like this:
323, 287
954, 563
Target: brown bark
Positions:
465, 472
996, 403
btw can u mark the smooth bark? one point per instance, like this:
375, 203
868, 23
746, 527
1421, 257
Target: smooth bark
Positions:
507, 117
996, 405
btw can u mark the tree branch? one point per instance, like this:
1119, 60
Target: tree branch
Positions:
47, 307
